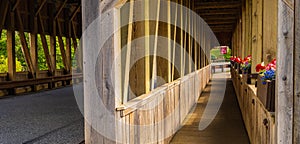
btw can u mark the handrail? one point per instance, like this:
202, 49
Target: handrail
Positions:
29, 82
138, 102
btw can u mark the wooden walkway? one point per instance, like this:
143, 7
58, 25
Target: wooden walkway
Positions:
226, 128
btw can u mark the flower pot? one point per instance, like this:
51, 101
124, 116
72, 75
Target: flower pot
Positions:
239, 70
248, 71
266, 93
236, 65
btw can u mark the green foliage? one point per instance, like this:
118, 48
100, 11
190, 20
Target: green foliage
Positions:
228, 55
216, 52
213, 57
20, 60
4, 64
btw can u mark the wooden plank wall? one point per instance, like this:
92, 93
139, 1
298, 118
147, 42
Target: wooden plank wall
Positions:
256, 31
287, 98
153, 116
274, 28
259, 122
162, 111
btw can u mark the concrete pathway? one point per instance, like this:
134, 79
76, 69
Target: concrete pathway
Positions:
49, 117
227, 126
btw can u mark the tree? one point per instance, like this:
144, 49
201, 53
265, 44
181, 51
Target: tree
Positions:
20, 60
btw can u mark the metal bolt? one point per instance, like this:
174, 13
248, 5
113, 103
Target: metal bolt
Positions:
285, 33
284, 78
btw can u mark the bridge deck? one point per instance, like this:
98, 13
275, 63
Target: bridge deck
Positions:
43, 117
53, 117
226, 128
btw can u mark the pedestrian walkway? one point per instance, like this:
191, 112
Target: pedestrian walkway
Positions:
226, 128
49, 117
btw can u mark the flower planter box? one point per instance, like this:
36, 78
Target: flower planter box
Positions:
250, 78
266, 93
237, 66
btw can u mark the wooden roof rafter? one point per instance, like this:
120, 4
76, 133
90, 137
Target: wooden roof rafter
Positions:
220, 15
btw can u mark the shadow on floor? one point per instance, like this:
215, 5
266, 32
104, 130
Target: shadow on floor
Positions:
226, 128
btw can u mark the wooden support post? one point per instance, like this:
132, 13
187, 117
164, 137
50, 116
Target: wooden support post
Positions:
40, 8
169, 41
269, 30
11, 52
53, 53
190, 38
52, 23
24, 47
297, 74
243, 30
284, 97
185, 25
34, 53
2, 22
154, 65
128, 52
63, 53
45, 47
34, 57
147, 47
181, 39
69, 54
174, 45
60, 9
256, 34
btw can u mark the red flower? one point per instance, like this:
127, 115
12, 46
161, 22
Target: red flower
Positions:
273, 62
248, 58
232, 58
271, 66
260, 67
238, 60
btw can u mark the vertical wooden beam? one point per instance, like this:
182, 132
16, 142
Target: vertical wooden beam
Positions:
154, 66
243, 30
257, 22
34, 53
53, 37
269, 30
249, 22
297, 74
34, 48
69, 54
174, 44
128, 53
169, 41
190, 38
285, 78
11, 52
6, 5
147, 47
185, 25
181, 39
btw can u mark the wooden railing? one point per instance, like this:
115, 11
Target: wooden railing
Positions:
25, 84
156, 116
259, 122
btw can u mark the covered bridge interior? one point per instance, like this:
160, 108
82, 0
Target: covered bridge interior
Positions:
142, 81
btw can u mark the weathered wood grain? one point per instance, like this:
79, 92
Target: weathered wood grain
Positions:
284, 89
269, 30
296, 137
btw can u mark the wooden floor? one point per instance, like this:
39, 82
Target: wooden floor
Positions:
227, 126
